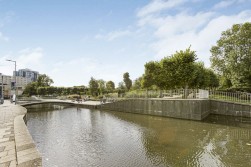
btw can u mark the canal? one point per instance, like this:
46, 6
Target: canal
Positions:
70, 136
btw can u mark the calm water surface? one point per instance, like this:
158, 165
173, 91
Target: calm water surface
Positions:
69, 136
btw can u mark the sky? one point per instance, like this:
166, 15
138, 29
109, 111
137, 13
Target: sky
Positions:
74, 40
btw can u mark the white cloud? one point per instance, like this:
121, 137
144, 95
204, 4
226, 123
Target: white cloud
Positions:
78, 71
243, 1
158, 5
3, 21
30, 58
227, 3
224, 4
113, 35
3, 38
181, 23
178, 31
7, 18
5, 67
26, 58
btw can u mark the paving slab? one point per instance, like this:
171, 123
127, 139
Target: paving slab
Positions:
12, 130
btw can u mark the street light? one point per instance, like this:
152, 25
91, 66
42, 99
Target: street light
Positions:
2, 96
15, 87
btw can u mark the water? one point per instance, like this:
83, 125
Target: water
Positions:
69, 136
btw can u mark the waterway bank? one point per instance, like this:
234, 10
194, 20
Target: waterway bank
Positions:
18, 149
191, 109
16, 145
195, 109
93, 137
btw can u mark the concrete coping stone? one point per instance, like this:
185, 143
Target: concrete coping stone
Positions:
27, 153
230, 102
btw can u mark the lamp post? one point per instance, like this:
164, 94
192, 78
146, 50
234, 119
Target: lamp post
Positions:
2, 96
15, 87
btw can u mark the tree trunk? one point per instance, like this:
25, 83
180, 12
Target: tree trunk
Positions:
186, 92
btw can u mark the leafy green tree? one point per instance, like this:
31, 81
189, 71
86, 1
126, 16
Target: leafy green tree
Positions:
110, 86
200, 76
101, 86
127, 80
31, 89
41, 91
44, 80
152, 74
184, 63
93, 87
167, 76
204, 77
121, 88
213, 79
231, 57
225, 82
137, 84
171, 72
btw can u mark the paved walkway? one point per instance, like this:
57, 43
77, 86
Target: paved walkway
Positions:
8, 112
17, 148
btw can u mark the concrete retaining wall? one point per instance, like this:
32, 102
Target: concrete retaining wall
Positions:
26, 151
230, 108
185, 109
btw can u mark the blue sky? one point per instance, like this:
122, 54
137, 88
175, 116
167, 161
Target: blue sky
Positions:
73, 40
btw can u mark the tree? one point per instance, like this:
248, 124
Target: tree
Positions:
200, 77
225, 82
167, 74
44, 80
204, 77
176, 71
213, 79
137, 84
184, 63
127, 80
101, 86
152, 74
110, 86
231, 57
93, 87
31, 89
41, 91
121, 88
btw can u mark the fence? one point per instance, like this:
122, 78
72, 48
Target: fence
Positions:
169, 94
239, 97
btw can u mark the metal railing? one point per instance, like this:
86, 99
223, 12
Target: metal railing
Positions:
169, 94
239, 97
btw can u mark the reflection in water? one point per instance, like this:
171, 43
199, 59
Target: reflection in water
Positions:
71, 136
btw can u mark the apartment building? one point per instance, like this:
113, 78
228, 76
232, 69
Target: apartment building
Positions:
6, 81
23, 78
21, 82
27, 73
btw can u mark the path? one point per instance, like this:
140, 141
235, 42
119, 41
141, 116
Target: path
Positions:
12, 140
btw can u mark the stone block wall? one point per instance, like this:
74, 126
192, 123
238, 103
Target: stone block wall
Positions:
230, 108
185, 109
